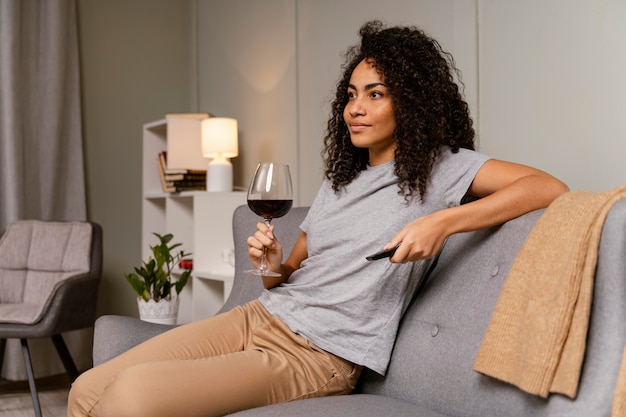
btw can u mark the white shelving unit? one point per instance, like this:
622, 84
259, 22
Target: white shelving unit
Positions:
201, 221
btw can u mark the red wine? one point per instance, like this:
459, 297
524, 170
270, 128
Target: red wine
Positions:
270, 209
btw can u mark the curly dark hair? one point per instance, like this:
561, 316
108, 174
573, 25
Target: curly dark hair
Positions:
429, 108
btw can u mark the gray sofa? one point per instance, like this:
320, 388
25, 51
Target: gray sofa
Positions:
431, 368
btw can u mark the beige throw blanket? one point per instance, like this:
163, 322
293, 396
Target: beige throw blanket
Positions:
537, 334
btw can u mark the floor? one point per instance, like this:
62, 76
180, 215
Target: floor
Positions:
15, 399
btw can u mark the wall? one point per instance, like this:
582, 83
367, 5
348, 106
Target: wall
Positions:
246, 60
552, 87
543, 78
135, 68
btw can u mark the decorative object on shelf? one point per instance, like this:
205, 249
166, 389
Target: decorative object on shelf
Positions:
158, 282
177, 180
219, 142
186, 264
184, 148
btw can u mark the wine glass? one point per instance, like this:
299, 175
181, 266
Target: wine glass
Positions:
270, 196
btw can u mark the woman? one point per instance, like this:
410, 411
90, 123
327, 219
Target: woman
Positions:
399, 161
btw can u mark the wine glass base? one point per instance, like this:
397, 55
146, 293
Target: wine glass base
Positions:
261, 272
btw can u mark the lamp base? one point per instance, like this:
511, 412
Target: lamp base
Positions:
219, 175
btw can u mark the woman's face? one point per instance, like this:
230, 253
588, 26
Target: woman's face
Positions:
369, 114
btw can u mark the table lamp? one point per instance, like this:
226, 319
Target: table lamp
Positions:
219, 143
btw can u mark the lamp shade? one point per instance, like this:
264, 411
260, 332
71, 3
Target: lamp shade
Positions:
219, 137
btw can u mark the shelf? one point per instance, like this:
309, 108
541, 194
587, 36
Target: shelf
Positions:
160, 194
157, 126
200, 220
214, 276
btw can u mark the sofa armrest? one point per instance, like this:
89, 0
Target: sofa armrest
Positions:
116, 334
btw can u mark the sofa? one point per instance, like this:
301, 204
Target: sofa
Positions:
430, 374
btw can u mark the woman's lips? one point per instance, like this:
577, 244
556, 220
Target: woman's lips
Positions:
358, 127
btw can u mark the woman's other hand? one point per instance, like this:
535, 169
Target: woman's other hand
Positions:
420, 239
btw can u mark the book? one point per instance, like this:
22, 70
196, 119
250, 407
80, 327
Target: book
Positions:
179, 189
164, 185
193, 180
199, 177
169, 171
183, 183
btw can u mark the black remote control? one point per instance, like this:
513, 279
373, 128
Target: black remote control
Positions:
384, 254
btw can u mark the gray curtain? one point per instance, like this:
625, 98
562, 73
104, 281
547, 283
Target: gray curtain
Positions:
41, 150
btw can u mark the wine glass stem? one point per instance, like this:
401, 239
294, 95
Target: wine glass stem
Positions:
263, 266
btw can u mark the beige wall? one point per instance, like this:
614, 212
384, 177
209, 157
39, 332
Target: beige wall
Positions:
135, 68
246, 69
543, 79
552, 87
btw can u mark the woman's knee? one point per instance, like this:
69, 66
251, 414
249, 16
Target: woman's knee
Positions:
117, 399
118, 396
131, 394
83, 395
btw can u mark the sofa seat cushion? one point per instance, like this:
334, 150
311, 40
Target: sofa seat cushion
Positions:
356, 405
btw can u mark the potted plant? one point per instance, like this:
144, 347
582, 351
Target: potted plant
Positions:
158, 283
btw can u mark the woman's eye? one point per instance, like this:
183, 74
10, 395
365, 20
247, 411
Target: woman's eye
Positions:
351, 94
376, 94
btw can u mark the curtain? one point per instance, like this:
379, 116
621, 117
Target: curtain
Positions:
41, 151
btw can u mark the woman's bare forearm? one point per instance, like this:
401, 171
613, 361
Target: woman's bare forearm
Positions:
523, 195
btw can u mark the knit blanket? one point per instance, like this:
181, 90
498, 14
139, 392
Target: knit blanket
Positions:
536, 337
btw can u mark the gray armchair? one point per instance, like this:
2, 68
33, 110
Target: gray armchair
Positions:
49, 278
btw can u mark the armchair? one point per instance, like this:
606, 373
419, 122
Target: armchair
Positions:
49, 277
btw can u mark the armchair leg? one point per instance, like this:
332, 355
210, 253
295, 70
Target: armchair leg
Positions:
66, 358
31, 377
3, 344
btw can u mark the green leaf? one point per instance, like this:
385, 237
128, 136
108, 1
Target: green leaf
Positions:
138, 285
154, 278
182, 281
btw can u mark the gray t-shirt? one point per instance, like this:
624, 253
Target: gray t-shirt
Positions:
337, 299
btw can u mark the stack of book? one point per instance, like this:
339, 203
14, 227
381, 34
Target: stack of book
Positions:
177, 180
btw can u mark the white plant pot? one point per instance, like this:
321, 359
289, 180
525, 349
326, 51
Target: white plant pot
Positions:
162, 312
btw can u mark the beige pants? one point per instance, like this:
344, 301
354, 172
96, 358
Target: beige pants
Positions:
241, 359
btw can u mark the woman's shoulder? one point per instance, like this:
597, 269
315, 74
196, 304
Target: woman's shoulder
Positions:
461, 152
456, 167
461, 156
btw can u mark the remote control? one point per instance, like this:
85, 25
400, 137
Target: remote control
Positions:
384, 254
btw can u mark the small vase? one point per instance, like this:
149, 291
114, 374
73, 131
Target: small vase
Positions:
162, 312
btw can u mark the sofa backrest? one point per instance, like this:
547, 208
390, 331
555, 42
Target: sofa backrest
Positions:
441, 332
247, 287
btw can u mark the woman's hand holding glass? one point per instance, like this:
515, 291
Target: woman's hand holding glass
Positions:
264, 239
270, 195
